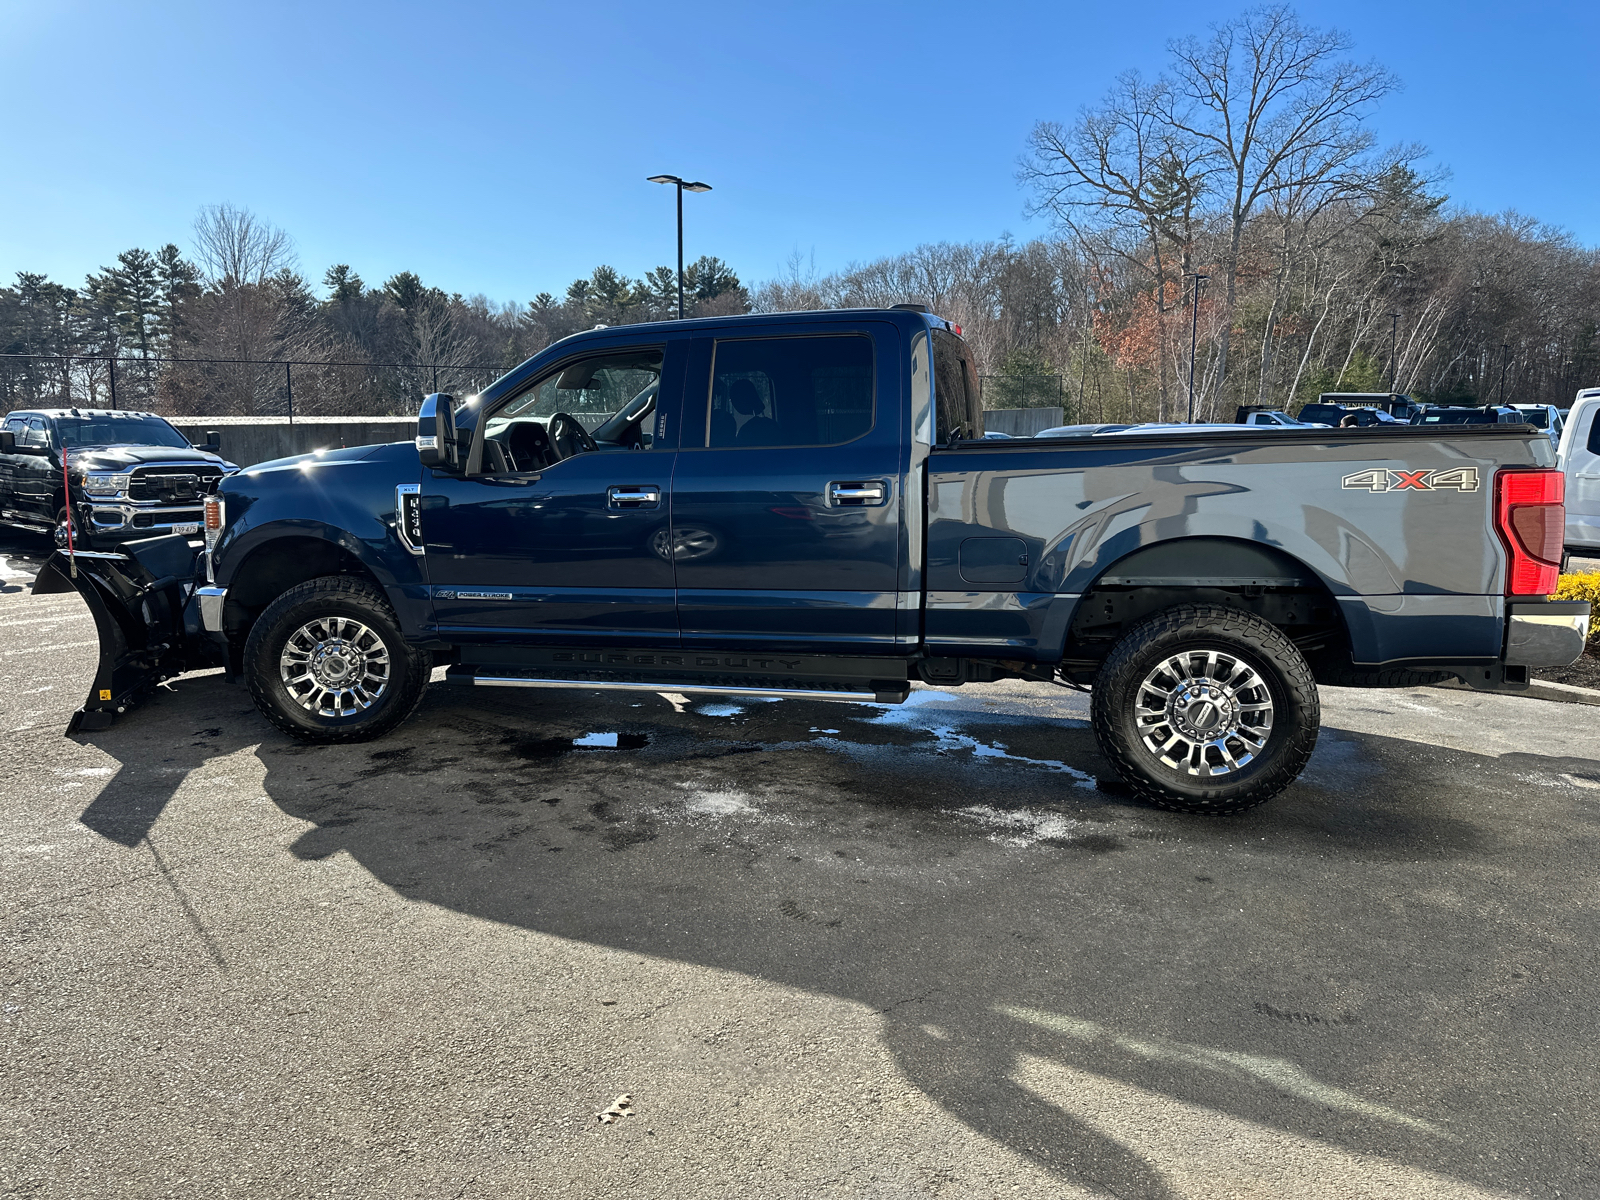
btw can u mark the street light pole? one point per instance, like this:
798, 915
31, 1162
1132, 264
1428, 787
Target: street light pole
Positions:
1394, 334
1194, 332
682, 187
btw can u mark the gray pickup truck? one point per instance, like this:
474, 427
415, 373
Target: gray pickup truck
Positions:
804, 505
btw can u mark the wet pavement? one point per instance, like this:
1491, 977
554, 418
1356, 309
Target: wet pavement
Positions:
21, 555
926, 950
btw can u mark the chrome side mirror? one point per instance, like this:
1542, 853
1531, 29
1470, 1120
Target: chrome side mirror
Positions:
436, 433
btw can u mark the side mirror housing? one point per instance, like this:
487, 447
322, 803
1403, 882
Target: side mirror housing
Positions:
9, 445
436, 433
212, 444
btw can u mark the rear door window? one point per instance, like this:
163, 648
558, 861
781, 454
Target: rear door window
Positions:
797, 391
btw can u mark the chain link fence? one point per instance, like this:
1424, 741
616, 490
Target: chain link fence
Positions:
1023, 391
233, 387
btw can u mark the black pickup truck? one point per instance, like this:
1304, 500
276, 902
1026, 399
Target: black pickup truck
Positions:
132, 475
803, 505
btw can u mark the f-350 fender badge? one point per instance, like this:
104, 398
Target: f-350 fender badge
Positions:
1452, 479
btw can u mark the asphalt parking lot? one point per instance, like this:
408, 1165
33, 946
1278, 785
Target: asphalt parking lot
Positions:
825, 949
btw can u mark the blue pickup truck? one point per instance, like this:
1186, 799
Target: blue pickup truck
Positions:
803, 505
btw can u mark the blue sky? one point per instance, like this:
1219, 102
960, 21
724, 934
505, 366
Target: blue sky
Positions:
503, 148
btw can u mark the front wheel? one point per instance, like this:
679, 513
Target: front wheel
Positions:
1206, 709
326, 662
79, 539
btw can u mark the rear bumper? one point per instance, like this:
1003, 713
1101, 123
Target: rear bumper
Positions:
1549, 633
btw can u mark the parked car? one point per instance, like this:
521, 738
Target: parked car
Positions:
1333, 416
1578, 456
860, 535
1057, 431
1489, 414
132, 474
1278, 419
1544, 416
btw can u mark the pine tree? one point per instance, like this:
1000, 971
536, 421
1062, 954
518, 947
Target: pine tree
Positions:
136, 283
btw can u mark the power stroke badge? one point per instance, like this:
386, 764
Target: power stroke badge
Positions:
1450, 479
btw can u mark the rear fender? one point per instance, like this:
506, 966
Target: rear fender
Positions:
138, 597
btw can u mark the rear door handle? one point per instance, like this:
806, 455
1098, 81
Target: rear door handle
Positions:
633, 495
865, 493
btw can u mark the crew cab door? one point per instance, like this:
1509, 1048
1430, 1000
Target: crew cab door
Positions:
15, 426
524, 550
787, 496
36, 478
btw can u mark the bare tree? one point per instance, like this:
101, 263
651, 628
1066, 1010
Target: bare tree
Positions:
237, 247
1265, 110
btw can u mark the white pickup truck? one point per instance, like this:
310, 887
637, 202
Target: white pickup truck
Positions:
1578, 456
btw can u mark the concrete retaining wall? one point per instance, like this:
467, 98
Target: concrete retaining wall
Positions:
251, 440
1020, 422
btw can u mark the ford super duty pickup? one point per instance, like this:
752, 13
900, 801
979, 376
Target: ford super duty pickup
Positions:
803, 505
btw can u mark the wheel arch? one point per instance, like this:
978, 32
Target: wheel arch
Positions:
1208, 569
275, 565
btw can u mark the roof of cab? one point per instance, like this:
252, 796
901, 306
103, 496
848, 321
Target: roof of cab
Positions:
82, 412
772, 318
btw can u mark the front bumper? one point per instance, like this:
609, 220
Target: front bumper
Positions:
1551, 633
115, 521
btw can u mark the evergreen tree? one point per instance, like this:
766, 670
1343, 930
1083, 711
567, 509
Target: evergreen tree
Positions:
136, 295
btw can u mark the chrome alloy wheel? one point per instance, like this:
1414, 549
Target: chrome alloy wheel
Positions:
1204, 712
335, 667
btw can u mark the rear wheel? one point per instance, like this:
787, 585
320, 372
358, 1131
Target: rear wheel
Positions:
1206, 709
326, 662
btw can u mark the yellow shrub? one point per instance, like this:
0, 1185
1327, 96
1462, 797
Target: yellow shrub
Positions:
1582, 587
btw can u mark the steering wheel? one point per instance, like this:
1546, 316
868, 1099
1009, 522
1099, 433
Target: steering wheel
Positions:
565, 432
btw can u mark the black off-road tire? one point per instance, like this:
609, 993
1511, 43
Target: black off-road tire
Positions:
333, 596
1258, 644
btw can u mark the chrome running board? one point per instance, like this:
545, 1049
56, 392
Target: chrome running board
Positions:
481, 677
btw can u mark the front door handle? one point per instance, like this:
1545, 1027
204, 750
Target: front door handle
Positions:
864, 493
635, 495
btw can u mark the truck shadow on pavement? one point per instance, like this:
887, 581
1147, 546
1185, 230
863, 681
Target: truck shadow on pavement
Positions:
1353, 966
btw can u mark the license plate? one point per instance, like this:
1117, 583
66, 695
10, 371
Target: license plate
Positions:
186, 530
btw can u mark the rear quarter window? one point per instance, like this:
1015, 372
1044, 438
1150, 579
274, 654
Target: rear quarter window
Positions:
955, 388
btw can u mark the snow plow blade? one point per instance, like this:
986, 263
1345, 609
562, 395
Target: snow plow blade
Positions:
140, 599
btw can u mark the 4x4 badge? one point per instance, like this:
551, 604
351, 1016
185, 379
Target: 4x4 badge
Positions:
1451, 479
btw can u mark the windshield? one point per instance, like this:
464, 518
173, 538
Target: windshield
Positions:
111, 429
1458, 416
1321, 414
1539, 418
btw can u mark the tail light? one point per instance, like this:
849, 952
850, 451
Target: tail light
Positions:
1531, 517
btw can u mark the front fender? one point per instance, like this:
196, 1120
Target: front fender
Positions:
349, 504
